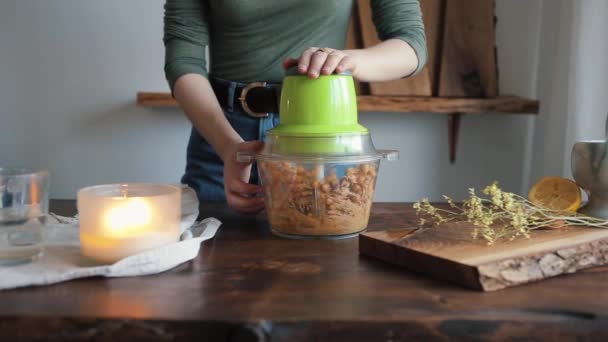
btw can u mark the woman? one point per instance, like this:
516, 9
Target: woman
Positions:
250, 42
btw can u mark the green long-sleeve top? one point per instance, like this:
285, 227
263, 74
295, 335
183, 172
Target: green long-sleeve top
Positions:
248, 39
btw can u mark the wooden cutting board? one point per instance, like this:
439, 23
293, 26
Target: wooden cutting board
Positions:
448, 253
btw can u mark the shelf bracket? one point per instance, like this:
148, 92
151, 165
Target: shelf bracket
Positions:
453, 131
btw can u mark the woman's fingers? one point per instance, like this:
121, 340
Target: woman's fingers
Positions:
289, 62
321, 61
333, 60
316, 63
345, 64
240, 187
249, 146
241, 196
304, 61
245, 204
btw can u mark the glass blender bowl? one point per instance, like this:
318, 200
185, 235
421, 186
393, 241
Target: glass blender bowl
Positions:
318, 167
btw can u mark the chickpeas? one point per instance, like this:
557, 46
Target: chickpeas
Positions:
296, 190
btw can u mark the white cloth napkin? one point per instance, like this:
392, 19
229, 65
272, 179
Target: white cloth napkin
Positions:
62, 261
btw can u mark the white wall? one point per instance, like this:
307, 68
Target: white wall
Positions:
572, 84
77, 67
18, 137
70, 69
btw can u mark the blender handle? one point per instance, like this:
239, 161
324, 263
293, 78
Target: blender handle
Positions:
245, 157
389, 155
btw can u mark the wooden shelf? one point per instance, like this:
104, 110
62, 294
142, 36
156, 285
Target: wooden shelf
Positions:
452, 107
370, 103
443, 105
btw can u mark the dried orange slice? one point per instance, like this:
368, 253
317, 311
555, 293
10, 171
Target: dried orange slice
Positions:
556, 193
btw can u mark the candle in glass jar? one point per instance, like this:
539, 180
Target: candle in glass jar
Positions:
119, 220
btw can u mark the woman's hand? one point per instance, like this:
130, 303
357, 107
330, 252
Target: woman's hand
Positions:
389, 60
316, 61
196, 97
240, 195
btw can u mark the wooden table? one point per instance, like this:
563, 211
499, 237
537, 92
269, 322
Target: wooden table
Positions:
249, 285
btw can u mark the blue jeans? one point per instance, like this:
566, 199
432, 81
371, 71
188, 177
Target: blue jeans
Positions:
205, 169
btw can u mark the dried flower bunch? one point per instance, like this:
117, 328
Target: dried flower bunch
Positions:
499, 214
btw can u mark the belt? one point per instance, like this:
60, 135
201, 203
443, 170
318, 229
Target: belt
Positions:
257, 99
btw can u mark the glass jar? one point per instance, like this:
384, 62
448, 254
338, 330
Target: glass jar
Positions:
318, 186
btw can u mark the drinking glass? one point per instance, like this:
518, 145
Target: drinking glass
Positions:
23, 211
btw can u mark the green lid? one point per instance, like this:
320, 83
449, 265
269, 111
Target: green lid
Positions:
323, 106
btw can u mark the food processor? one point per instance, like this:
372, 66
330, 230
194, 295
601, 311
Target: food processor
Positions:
318, 167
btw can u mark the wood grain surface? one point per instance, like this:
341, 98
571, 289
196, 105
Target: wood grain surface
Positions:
502, 104
468, 57
433, 15
447, 252
248, 285
418, 85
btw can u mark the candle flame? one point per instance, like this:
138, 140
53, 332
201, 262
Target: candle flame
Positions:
131, 216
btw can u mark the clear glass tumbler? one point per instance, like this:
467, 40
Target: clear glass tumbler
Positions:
23, 211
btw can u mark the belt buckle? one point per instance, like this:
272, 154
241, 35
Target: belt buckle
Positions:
243, 99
